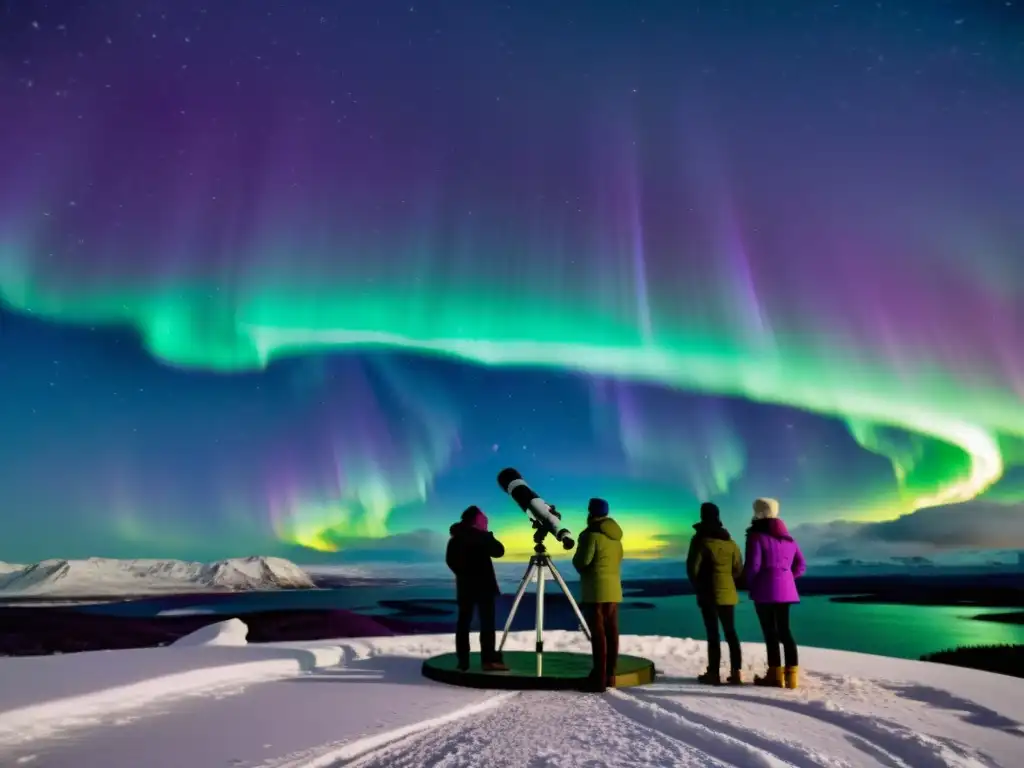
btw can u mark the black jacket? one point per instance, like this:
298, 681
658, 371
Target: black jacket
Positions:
469, 556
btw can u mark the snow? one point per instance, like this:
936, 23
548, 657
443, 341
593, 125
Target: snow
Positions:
363, 702
103, 577
40, 695
232, 632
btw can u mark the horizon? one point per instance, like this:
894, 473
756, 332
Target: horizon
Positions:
633, 568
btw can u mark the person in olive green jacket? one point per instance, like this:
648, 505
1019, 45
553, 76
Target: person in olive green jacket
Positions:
713, 565
598, 560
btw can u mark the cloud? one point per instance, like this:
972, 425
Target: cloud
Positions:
410, 547
421, 540
675, 544
972, 525
915, 560
977, 525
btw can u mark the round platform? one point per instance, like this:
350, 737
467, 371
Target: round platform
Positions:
560, 671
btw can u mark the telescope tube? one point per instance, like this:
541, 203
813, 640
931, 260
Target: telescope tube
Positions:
538, 510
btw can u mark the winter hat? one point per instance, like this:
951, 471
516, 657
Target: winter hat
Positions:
597, 508
475, 518
709, 513
766, 509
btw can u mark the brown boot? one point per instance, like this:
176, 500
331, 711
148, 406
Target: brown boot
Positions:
773, 678
792, 676
711, 677
495, 666
735, 678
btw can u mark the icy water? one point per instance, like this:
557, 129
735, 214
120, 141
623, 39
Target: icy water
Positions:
906, 631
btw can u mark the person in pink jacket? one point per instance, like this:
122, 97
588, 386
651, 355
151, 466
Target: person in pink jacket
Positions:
773, 564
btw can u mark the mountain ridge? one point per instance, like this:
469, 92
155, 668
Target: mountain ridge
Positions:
103, 576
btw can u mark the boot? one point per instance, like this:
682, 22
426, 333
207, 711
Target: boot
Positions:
792, 676
495, 666
711, 677
735, 678
773, 678
595, 683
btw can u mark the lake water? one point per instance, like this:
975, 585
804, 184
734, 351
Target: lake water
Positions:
906, 631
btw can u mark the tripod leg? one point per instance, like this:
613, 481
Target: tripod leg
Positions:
540, 620
572, 601
515, 604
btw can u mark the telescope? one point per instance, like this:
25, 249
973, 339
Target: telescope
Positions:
544, 517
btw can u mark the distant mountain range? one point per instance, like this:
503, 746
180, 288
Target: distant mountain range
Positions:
97, 577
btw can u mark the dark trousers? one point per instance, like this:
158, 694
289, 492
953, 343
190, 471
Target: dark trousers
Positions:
727, 615
484, 607
774, 618
603, 623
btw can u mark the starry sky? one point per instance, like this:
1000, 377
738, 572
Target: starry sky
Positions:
299, 278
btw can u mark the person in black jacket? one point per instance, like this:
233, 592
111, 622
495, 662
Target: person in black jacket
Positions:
469, 554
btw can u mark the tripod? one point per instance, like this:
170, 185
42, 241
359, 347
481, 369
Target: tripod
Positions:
538, 562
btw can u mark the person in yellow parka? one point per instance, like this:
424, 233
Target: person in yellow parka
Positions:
598, 560
713, 565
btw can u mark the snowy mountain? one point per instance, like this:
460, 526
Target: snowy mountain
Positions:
101, 576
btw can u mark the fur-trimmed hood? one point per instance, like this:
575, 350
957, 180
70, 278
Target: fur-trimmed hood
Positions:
771, 526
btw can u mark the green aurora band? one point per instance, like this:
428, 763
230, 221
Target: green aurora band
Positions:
526, 322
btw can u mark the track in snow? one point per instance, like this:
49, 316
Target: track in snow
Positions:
534, 730
647, 727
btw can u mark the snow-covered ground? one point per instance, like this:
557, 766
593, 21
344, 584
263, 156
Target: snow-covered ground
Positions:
100, 576
212, 701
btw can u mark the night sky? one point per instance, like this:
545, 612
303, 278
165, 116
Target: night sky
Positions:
300, 278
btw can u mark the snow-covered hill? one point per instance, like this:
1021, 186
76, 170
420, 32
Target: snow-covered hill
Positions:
101, 576
364, 703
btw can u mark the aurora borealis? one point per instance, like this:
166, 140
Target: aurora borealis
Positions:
302, 277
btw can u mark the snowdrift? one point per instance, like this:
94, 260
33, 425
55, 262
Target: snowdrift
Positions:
102, 576
232, 632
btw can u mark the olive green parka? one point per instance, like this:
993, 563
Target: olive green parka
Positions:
714, 565
598, 560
